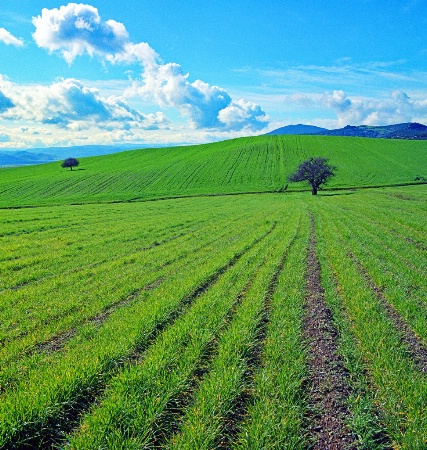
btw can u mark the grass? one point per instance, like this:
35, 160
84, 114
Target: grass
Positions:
179, 323
400, 389
254, 164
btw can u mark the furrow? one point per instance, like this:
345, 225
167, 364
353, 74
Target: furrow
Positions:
328, 389
390, 412
171, 420
68, 398
273, 413
239, 411
140, 394
211, 419
179, 259
416, 348
57, 342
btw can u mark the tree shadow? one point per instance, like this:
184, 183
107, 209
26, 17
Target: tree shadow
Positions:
332, 194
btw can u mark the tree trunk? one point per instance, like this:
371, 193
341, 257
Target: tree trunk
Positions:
314, 190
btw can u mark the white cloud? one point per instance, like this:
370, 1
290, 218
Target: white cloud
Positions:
209, 107
7, 38
69, 103
398, 107
76, 29
243, 114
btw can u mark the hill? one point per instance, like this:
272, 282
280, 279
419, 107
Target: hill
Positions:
409, 130
297, 129
398, 131
252, 164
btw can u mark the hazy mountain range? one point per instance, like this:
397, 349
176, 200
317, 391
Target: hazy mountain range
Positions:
398, 131
12, 157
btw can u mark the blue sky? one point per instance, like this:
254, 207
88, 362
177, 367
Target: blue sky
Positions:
106, 72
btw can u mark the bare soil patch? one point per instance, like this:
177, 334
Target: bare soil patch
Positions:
327, 386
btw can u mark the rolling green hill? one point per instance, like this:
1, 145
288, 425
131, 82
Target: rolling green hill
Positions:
253, 164
215, 321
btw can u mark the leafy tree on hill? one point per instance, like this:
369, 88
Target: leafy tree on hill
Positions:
316, 171
70, 162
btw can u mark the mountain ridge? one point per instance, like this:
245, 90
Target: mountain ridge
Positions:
407, 130
31, 156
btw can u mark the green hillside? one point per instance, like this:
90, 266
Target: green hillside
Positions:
253, 164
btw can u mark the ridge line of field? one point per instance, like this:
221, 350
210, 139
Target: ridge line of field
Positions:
274, 417
328, 389
365, 418
239, 412
175, 408
209, 421
148, 286
417, 349
81, 396
192, 332
224, 194
201, 289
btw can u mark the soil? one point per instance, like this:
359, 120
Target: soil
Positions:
327, 386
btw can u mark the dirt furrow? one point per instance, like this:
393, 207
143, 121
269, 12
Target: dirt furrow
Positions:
327, 387
416, 348
170, 421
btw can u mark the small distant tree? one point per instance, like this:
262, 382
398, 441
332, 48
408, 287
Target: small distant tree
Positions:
316, 171
70, 162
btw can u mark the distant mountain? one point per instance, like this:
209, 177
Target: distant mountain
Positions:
80, 151
399, 131
409, 130
12, 157
298, 129
23, 158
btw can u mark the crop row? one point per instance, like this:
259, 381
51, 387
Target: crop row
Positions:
365, 270
46, 386
183, 324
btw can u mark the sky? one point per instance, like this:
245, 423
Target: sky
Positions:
179, 72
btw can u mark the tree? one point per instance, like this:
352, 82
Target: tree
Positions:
70, 162
316, 171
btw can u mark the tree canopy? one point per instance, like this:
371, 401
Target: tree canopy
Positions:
316, 171
70, 162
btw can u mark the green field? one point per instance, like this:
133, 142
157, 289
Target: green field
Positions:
182, 322
254, 164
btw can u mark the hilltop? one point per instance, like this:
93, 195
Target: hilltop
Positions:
297, 129
409, 130
252, 164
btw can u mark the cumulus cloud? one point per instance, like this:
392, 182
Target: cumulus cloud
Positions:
209, 107
399, 107
337, 100
69, 103
243, 113
76, 29
7, 38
